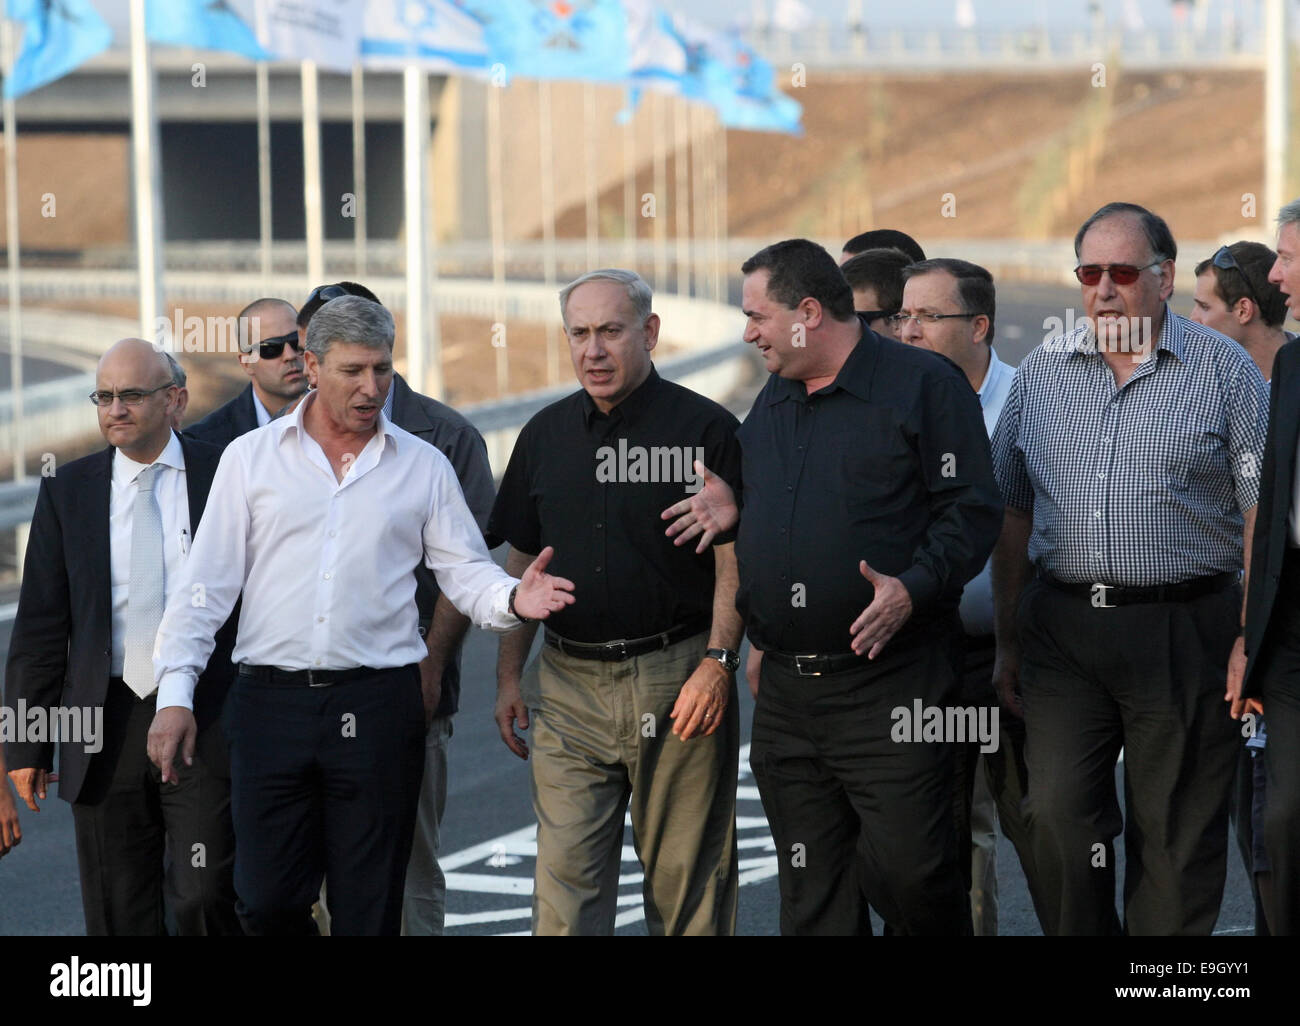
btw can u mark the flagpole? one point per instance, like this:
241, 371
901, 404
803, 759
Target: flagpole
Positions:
14, 266
264, 171
681, 194
589, 147
715, 212
144, 150
721, 265
311, 175
629, 194
415, 140
496, 217
699, 201
660, 183
359, 165
548, 222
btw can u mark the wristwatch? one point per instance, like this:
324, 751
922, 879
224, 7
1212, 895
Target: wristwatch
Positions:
511, 608
730, 660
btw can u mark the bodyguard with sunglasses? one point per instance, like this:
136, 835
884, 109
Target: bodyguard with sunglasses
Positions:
1128, 455
274, 366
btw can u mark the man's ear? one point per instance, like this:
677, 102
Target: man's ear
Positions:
980, 327
1244, 310
651, 332
812, 312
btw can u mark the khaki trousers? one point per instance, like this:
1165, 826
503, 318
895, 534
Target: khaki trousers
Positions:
601, 734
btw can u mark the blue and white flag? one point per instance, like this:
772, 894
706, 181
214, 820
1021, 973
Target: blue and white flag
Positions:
58, 36
203, 24
440, 35
575, 39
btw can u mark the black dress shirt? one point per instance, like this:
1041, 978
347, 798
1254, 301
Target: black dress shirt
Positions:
888, 463
593, 486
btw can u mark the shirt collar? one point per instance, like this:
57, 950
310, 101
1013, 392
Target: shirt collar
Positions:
388, 402
992, 377
1083, 339
260, 411
285, 425
853, 375
631, 405
126, 470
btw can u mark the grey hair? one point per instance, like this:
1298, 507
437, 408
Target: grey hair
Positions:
1289, 214
178, 372
350, 319
637, 290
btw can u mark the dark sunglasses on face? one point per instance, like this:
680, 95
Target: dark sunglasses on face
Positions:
271, 348
1225, 261
325, 293
1120, 274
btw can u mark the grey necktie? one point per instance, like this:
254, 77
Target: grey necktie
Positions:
144, 603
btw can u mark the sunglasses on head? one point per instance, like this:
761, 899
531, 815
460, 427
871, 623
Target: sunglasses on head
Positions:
325, 293
1225, 261
1120, 274
271, 348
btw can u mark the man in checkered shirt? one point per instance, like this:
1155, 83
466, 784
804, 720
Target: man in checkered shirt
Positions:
1128, 455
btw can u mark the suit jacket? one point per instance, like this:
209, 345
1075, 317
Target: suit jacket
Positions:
226, 423
458, 440
1276, 486
60, 652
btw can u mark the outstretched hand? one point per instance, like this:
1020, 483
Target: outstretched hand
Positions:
880, 621
709, 512
540, 594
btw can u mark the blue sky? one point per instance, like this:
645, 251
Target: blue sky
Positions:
989, 14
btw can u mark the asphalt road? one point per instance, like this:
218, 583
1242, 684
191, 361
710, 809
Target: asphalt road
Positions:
487, 832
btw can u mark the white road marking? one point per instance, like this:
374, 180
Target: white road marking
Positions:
496, 866
8, 612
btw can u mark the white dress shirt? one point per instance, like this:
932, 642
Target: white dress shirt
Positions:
324, 565
261, 412
174, 507
976, 609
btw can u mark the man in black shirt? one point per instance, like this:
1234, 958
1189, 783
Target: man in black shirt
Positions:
634, 692
869, 501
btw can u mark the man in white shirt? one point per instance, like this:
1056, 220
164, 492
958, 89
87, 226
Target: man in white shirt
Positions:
319, 519
963, 297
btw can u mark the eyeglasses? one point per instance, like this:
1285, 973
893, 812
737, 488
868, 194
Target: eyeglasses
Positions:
1225, 261
129, 397
1120, 274
271, 348
900, 319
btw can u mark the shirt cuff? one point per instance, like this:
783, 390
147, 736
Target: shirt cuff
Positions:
176, 688
921, 585
501, 617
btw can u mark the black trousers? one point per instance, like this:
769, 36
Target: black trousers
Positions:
1004, 767
140, 844
1280, 692
1148, 678
325, 782
856, 816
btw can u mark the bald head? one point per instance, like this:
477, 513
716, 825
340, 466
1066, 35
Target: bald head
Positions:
277, 379
141, 430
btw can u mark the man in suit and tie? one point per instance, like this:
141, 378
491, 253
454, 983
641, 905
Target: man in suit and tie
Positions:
275, 371
1264, 672
109, 538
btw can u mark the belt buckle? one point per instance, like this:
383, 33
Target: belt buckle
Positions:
798, 665
312, 683
1099, 592
621, 647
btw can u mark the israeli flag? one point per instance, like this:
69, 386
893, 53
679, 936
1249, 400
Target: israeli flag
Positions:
58, 36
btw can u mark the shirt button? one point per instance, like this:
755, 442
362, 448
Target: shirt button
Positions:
789, 488
598, 569
326, 575
1101, 473
783, 530
1097, 514
599, 525
317, 662
320, 619
334, 534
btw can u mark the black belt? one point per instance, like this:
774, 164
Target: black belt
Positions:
309, 678
1103, 596
816, 665
617, 651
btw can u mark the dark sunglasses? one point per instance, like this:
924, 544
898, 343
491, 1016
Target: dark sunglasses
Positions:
1225, 261
271, 348
1120, 274
872, 315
